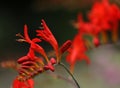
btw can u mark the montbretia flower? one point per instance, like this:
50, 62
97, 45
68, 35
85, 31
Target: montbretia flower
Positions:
87, 28
47, 36
103, 17
106, 16
113, 19
23, 84
77, 52
99, 14
31, 65
34, 47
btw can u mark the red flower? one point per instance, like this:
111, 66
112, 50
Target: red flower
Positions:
46, 35
23, 84
30, 64
87, 28
34, 47
77, 52
99, 15
106, 16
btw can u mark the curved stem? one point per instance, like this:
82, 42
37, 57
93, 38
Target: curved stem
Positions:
61, 77
61, 64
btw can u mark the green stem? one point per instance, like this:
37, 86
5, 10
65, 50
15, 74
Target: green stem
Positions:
61, 64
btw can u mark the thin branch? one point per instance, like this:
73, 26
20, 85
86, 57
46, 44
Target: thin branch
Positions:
61, 64
61, 77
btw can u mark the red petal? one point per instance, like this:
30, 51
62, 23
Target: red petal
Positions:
65, 46
53, 61
51, 67
26, 34
30, 83
25, 67
23, 59
23, 84
28, 63
46, 34
16, 84
36, 40
31, 54
38, 49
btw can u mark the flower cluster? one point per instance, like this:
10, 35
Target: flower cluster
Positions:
31, 65
102, 18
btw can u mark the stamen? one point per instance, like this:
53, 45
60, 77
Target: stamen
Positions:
21, 40
19, 35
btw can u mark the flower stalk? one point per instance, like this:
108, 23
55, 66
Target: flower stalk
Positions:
61, 64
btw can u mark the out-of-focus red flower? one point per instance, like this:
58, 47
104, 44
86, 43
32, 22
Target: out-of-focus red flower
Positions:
114, 13
90, 28
104, 14
23, 84
47, 35
99, 15
87, 28
77, 52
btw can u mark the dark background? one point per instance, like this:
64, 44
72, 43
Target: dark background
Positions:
13, 16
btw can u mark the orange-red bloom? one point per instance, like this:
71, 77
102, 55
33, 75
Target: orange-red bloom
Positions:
99, 15
33, 44
34, 47
30, 65
77, 52
88, 28
104, 14
47, 36
23, 84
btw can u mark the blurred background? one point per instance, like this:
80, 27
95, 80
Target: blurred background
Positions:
103, 72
